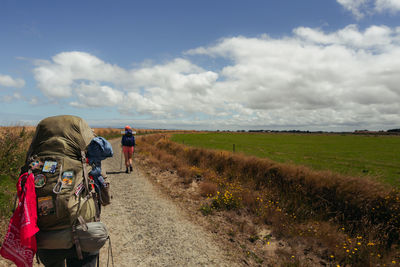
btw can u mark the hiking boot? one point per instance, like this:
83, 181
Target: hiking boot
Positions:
130, 167
127, 171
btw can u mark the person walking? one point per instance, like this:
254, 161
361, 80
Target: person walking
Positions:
128, 147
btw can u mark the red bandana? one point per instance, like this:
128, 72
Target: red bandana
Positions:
19, 244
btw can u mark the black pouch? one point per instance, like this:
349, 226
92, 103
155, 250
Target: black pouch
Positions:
105, 195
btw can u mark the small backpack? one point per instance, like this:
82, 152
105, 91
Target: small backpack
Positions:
67, 199
128, 139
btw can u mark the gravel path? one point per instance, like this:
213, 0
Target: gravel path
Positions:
147, 229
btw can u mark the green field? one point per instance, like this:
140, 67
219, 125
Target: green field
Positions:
356, 155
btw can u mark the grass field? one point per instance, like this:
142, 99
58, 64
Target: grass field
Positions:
356, 155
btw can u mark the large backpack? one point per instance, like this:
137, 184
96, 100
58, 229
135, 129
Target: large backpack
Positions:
66, 196
128, 139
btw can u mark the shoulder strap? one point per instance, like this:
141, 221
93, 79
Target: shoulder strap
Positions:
85, 171
79, 218
86, 183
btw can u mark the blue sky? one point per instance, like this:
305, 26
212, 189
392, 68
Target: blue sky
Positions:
227, 64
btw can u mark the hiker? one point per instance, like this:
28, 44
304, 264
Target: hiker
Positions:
128, 147
64, 163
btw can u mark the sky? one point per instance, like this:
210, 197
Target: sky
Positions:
331, 65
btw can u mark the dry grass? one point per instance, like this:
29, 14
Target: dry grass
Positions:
319, 207
108, 133
14, 142
208, 189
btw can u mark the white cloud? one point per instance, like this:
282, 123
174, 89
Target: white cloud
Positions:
58, 78
165, 87
355, 6
391, 6
360, 8
8, 81
311, 80
373, 38
95, 95
314, 78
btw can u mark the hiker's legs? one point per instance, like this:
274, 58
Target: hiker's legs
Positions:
128, 152
53, 257
57, 257
131, 157
126, 155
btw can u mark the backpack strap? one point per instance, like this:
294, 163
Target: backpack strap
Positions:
85, 171
76, 242
78, 218
90, 194
75, 238
90, 191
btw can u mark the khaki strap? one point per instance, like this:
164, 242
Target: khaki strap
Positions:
96, 197
110, 252
83, 223
85, 172
76, 242
74, 235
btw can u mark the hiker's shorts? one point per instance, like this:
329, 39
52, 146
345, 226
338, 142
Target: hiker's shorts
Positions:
128, 150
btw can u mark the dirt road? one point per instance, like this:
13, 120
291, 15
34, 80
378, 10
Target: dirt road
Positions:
147, 229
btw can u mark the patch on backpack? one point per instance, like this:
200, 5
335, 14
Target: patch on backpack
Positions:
36, 165
45, 206
67, 178
50, 166
40, 180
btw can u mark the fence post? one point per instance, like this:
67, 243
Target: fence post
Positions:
233, 148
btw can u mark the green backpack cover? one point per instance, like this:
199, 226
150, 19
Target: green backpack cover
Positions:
65, 198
